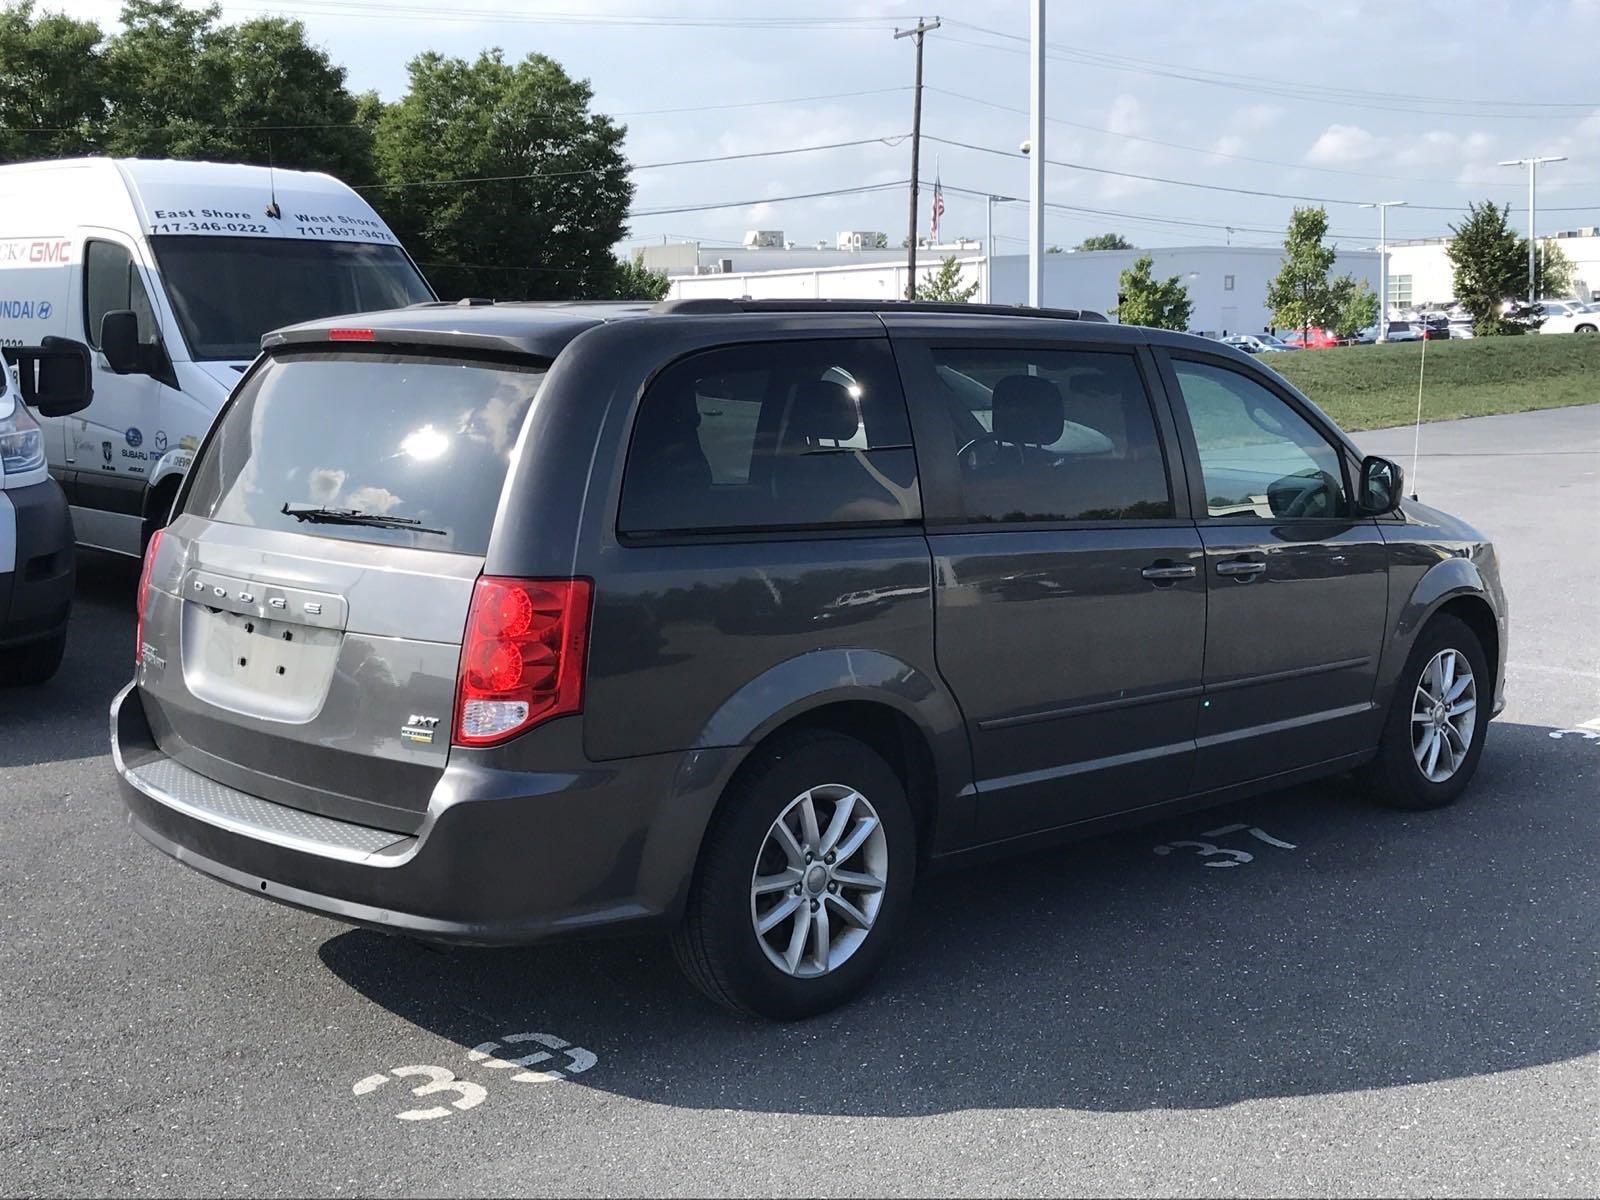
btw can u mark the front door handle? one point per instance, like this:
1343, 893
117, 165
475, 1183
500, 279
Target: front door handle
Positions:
1241, 569
1165, 573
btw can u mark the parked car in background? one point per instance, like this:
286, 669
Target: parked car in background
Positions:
732, 618
1311, 339
170, 272
1568, 316
1461, 327
1257, 343
36, 543
1397, 331
1433, 326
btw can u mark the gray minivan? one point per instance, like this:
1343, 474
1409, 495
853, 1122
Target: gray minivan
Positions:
489, 623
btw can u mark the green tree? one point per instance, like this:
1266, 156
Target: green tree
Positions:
1554, 271
945, 286
52, 85
490, 164
1301, 294
183, 85
880, 241
1491, 268
634, 281
1357, 306
1144, 300
1105, 241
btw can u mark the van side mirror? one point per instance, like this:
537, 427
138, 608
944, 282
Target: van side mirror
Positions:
54, 376
119, 341
1382, 486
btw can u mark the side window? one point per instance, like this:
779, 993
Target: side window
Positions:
1259, 457
111, 282
1053, 435
778, 435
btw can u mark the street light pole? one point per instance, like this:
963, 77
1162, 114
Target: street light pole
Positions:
1533, 240
1383, 207
988, 252
1036, 27
916, 34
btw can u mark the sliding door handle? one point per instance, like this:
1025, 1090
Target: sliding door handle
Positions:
1239, 569
1164, 573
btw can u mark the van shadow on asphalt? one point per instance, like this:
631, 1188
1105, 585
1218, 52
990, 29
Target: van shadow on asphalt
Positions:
67, 717
1384, 949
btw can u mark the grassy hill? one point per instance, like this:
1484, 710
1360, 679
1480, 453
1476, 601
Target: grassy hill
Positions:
1367, 387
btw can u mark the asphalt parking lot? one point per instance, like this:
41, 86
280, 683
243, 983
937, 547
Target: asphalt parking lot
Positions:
1373, 1003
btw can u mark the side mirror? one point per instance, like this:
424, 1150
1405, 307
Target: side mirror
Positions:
1382, 486
119, 341
54, 376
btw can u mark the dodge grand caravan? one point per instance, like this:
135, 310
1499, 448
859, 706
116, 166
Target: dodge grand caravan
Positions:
488, 623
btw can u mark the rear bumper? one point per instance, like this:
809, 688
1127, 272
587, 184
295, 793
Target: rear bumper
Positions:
504, 856
36, 591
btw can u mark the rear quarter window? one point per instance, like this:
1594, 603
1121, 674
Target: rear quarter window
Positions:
408, 438
776, 435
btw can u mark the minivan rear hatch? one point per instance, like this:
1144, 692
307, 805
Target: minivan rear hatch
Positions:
302, 639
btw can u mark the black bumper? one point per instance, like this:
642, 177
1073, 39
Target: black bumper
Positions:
503, 857
36, 597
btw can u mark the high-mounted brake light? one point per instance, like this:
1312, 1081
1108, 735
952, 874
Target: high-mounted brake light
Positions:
522, 656
349, 335
150, 553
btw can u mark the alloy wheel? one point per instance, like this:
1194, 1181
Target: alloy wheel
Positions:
819, 880
1444, 714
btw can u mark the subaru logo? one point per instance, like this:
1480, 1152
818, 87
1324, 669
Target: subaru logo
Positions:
134, 437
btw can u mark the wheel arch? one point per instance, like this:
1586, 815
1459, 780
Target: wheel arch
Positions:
1454, 587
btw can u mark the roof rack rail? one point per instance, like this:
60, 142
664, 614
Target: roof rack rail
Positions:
718, 304
464, 302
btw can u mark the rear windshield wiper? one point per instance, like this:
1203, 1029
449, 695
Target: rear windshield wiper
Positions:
321, 515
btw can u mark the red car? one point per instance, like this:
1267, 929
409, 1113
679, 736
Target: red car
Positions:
1312, 339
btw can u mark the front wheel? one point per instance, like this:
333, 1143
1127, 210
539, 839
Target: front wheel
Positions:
804, 880
1437, 721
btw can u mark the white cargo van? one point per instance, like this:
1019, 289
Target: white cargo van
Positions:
170, 272
36, 563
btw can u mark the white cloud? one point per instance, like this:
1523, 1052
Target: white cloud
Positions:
1341, 144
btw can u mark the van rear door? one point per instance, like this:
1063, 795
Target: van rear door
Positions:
303, 628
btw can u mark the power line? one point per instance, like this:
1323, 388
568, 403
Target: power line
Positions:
1134, 137
891, 140
1209, 187
641, 112
1286, 89
502, 16
849, 191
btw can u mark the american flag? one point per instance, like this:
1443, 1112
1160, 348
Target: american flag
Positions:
938, 211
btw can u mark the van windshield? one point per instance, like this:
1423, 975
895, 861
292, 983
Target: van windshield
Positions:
228, 291
390, 449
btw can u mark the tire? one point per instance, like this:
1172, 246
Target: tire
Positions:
1395, 777
34, 663
717, 943
1585, 329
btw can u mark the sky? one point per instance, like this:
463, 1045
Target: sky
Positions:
1336, 101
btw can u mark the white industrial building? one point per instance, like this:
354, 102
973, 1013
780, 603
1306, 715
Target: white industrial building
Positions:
1420, 272
770, 250
1227, 284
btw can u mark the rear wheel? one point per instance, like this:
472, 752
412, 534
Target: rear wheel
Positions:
804, 881
33, 663
1586, 329
1437, 720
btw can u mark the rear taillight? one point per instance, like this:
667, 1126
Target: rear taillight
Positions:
150, 553
522, 657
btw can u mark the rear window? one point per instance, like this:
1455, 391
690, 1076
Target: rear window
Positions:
422, 443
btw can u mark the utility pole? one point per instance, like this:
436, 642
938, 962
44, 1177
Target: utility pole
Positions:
1036, 51
916, 33
1383, 207
1533, 242
988, 252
